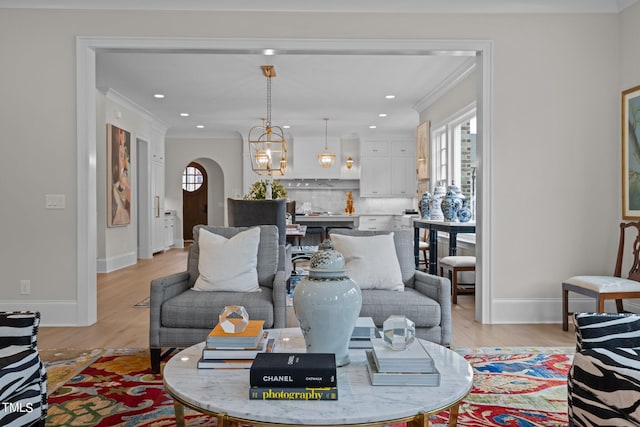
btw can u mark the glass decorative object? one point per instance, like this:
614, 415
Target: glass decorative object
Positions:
327, 304
398, 331
234, 319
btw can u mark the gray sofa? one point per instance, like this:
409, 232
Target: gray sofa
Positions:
426, 298
181, 317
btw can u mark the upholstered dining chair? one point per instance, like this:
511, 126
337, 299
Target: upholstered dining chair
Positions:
247, 213
603, 288
453, 265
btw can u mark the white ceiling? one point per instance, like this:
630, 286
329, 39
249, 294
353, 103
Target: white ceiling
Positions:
227, 92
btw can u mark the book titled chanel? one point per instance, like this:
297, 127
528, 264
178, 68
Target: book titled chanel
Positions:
293, 370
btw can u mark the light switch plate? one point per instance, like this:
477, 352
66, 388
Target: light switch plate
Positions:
55, 201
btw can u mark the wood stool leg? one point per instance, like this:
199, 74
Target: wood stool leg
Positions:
565, 310
454, 282
619, 306
600, 300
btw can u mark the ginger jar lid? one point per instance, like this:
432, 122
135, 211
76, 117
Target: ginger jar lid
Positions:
326, 263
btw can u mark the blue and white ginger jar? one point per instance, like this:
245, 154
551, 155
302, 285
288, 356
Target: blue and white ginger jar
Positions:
424, 205
450, 206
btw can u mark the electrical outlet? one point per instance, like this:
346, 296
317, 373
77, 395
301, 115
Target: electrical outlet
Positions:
25, 287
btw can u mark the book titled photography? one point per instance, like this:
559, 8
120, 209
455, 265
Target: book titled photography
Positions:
293, 370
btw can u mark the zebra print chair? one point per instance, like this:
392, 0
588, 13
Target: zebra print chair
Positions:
604, 379
23, 377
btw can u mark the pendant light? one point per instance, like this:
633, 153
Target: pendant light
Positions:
267, 145
326, 159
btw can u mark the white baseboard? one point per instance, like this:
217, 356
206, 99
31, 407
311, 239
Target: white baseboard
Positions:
107, 265
52, 313
547, 310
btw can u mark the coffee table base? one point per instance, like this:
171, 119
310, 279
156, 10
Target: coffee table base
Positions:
223, 420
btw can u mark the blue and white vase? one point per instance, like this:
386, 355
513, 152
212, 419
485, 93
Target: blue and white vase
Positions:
450, 206
424, 207
327, 304
464, 214
436, 200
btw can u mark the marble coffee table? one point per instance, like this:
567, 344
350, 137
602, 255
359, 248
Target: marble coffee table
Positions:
224, 393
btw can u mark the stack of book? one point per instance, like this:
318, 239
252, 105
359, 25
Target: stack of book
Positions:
293, 376
412, 366
362, 333
231, 351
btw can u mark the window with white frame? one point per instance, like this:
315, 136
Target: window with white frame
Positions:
453, 151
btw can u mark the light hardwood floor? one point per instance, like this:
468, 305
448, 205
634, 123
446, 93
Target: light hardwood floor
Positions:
121, 325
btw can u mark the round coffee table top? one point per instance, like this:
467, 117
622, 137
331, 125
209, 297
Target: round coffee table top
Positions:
227, 390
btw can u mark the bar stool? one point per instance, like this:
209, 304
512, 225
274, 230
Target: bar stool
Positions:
454, 265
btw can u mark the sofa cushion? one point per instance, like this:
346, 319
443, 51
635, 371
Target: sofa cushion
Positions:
193, 309
228, 264
604, 384
268, 251
380, 304
370, 261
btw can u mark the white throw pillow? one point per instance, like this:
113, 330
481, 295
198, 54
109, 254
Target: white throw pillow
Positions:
228, 264
370, 261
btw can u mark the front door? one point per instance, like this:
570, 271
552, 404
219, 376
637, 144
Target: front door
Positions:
194, 198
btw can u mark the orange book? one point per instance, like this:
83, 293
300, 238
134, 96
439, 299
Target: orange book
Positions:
247, 338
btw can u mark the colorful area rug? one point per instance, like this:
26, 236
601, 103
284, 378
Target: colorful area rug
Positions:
513, 386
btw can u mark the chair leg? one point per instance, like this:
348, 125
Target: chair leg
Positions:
156, 355
565, 310
619, 306
453, 275
600, 300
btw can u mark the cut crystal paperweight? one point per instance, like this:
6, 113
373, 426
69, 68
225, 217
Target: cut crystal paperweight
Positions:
233, 319
398, 332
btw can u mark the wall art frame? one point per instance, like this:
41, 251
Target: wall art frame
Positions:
118, 176
631, 153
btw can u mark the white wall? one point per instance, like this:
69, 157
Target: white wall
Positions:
555, 173
226, 153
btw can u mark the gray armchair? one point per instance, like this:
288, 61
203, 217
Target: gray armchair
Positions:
426, 298
180, 316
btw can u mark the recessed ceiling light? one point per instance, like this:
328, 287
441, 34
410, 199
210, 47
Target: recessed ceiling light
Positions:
184, 114
200, 126
158, 96
382, 115
390, 96
373, 127
268, 52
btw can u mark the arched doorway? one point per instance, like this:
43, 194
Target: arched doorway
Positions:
195, 198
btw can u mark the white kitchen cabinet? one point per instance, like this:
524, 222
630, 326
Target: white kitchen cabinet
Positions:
403, 176
375, 177
376, 222
169, 230
388, 168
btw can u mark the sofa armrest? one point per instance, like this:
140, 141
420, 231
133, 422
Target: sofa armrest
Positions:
163, 289
280, 300
439, 289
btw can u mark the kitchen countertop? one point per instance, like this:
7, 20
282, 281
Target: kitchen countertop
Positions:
326, 218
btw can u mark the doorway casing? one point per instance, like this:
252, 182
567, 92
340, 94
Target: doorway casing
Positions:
86, 47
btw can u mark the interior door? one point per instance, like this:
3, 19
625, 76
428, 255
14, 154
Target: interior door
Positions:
194, 198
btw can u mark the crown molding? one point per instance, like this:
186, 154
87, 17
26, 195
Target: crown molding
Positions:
462, 72
337, 6
119, 98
